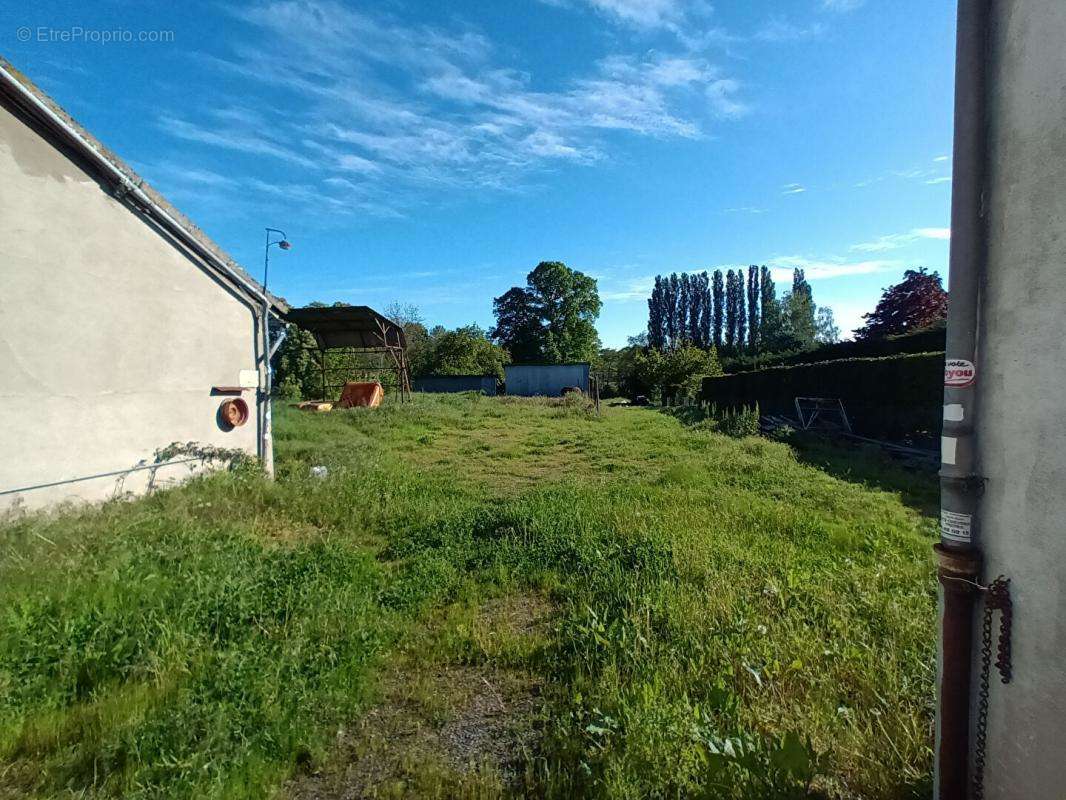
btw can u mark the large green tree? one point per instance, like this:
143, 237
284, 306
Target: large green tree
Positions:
519, 329
466, 351
552, 319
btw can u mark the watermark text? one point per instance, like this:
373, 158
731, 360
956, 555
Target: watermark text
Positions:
76, 34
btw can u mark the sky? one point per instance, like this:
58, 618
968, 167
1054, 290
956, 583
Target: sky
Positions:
434, 152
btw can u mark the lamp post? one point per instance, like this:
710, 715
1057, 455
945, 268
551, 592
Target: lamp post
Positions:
267, 447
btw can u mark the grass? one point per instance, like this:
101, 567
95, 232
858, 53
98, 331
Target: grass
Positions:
731, 618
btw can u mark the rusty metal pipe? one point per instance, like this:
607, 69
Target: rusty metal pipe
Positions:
956, 573
958, 558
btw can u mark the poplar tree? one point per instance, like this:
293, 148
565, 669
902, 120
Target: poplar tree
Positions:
670, 310
753, 308
717, 310
742, 316
683, 300
800, 310
769, 312
703, 322
656, 321
730, 310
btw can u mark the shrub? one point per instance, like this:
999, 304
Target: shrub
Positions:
739, 422
736, 422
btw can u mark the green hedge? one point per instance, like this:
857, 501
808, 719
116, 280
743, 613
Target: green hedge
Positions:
889, 397
924, 342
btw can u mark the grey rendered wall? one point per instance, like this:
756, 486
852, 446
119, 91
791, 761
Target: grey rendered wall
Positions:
110, 336
528, 380
1021, 402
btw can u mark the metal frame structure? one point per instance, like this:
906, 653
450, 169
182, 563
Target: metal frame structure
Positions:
364, 336
818, 405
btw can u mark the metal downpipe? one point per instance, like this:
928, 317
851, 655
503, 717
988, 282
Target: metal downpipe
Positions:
959, 560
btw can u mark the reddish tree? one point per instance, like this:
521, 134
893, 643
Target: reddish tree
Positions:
918, 301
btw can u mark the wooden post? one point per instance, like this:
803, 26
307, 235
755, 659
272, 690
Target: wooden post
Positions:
322, 363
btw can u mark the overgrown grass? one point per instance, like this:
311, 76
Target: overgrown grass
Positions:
731, 621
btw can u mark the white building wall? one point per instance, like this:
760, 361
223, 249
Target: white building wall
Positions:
111, 336
1021, 394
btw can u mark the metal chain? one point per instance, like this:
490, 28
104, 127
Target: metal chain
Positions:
997, 596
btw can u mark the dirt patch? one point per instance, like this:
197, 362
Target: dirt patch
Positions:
445, 730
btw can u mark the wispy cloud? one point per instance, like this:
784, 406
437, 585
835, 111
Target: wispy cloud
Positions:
823, 269
692, 22
635, 289
744, 210
449, 115
641, 13
926, 175
779, 29
841, 5
793, 188
232, 139
897, 240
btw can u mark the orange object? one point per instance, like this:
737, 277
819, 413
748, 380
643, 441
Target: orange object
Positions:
234, 412
369, 395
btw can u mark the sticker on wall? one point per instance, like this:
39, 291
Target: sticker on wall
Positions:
947, 449
953, 412
959, 373
955, 526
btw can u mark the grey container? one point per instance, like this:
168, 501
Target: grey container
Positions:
547, 380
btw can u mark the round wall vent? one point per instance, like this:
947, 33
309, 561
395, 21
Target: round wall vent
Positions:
233, 413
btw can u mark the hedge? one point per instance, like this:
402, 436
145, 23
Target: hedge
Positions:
889, 397
925, 342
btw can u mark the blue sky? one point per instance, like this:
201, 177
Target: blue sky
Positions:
435, 152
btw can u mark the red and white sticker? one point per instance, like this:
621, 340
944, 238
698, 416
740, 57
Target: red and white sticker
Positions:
959, 373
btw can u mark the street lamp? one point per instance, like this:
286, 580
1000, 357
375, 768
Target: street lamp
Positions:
283, 244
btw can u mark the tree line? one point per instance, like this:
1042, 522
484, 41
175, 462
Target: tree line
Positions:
698, 323
736, 313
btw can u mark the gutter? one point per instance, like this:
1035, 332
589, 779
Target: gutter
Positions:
958, 557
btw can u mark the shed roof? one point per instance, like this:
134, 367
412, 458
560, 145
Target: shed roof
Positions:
124, 181
360, 327
543, 364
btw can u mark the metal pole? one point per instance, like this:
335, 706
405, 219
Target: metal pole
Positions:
267, 446
959, 560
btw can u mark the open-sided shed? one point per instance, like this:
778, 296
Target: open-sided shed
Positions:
369, 341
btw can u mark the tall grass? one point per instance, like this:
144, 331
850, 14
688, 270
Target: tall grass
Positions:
732, 622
